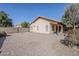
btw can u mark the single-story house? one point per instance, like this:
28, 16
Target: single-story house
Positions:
46, 25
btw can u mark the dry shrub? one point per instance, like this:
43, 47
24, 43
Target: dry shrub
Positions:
74, 36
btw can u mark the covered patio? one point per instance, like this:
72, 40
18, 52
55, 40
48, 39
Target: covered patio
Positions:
56, 28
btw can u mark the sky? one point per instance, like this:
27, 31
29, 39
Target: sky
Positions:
20, 12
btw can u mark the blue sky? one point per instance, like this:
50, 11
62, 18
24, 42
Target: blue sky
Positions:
28, 12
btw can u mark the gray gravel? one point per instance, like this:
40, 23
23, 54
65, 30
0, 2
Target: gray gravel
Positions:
34, 44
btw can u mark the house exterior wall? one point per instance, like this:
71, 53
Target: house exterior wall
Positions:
40, 26
43, 26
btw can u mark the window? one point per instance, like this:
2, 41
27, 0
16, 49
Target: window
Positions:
46, 27
37, 27
31, 28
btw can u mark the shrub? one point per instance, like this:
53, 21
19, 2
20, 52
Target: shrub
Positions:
24, 24
3, 34
69, 39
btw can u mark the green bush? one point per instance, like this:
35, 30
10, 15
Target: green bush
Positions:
25, 24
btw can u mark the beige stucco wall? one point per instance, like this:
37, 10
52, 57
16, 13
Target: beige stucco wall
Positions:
41, 26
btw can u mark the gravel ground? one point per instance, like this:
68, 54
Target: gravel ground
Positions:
34, 44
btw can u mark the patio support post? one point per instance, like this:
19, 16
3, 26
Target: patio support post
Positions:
57, 28
54, 28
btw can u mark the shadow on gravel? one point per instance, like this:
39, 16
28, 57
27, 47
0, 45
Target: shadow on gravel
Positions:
2, 39
8, 35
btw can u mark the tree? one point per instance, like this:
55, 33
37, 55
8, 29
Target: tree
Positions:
71, 18
25, 24
71, 15
5, 21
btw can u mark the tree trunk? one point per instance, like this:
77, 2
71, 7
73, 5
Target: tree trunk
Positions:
74, 34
